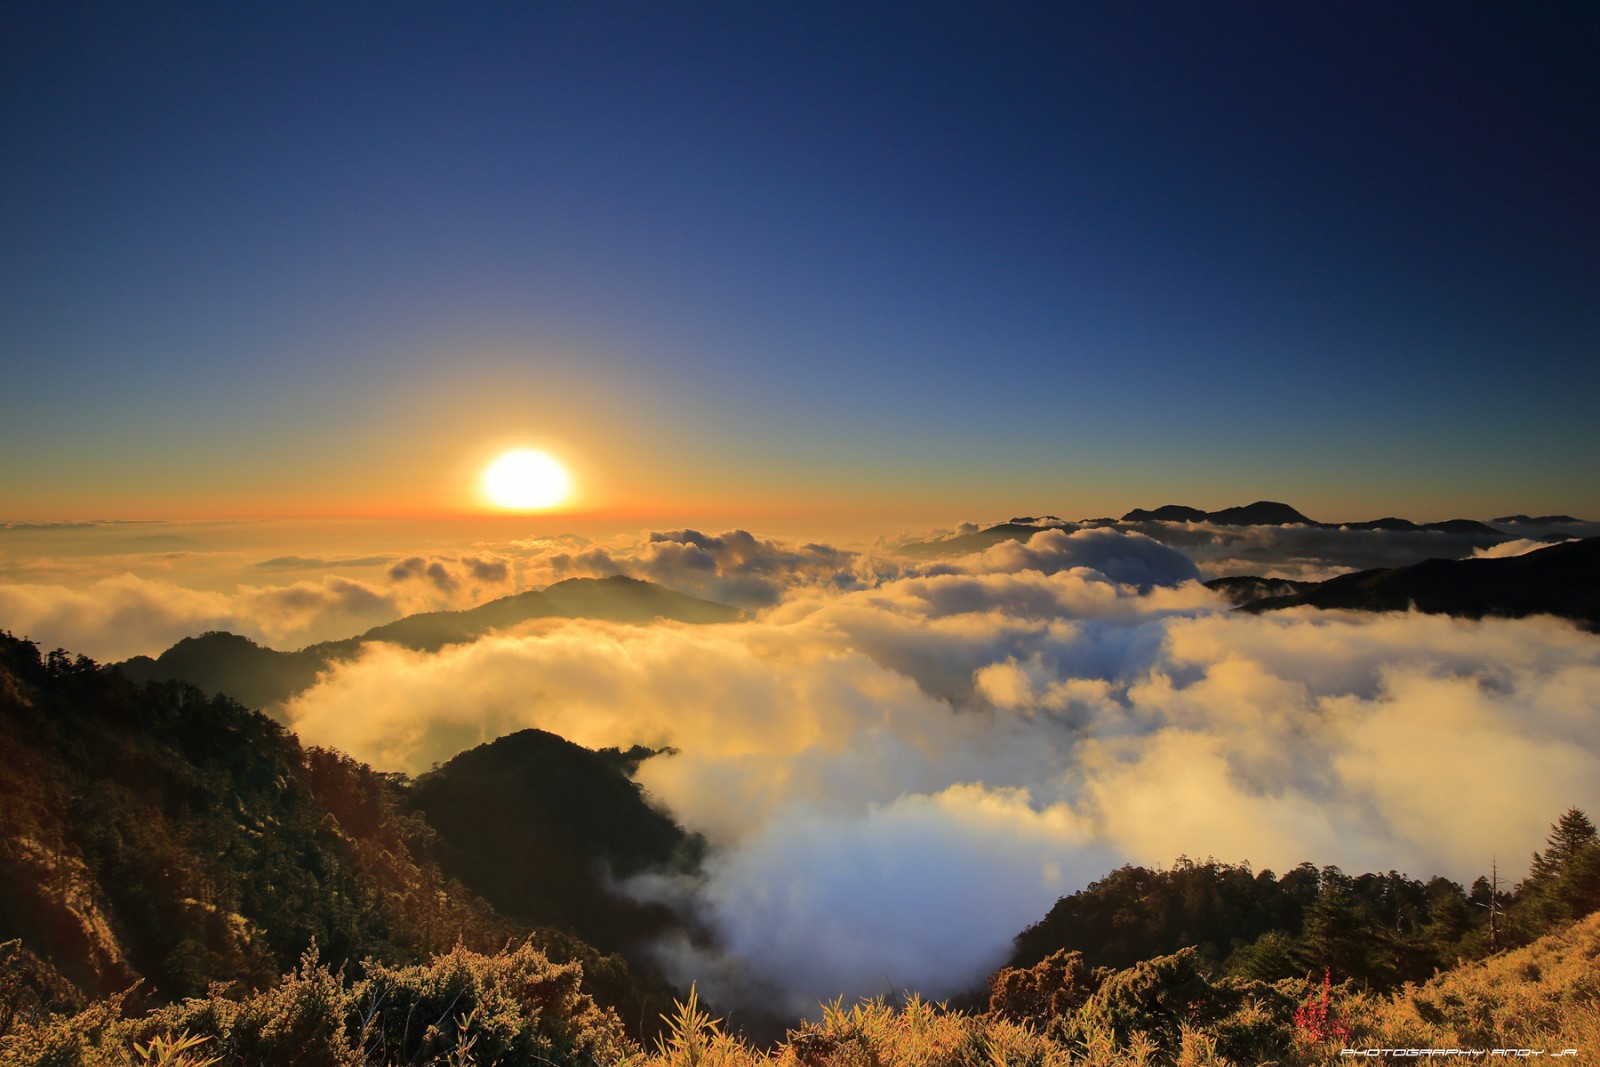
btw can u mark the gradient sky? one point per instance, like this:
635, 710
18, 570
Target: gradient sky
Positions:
764, 261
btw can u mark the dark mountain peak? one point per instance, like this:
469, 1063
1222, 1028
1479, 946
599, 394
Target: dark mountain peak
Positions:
613, 581
1562, 580
1243, 589
619, 598
1013, 528
1166, 513
519, 751
1462, 526
1387, 523
214, 641
537, 824
1540, 520
1261, 513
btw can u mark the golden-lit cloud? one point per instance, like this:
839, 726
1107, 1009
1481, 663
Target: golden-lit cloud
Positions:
123, 615
1009, 731
986, 732
112, 618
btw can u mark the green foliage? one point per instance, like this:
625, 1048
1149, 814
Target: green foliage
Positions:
1563, 882
1380, 929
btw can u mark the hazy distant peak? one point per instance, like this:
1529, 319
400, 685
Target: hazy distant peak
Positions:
1166, 513
1541, 520
614, 581
1261, 513
260, 677
1562, 580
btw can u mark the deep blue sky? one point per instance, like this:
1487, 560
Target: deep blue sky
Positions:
922, 259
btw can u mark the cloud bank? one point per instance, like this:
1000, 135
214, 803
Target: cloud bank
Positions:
892, 743
123, 615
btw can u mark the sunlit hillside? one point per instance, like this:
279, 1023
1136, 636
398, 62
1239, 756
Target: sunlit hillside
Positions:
516, 1008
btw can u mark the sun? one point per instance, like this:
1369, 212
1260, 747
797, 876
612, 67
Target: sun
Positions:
525, 480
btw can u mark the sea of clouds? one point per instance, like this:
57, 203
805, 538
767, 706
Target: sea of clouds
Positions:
901, 762
901, 765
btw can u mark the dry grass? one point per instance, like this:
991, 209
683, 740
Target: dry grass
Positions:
1544, 996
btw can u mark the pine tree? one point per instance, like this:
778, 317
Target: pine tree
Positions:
1563, 883
1568, 836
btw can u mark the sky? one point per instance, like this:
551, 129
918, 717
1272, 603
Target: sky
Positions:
780, 265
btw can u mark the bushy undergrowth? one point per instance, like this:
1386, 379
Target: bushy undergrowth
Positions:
512, 1008
518, 1008
1166, 1012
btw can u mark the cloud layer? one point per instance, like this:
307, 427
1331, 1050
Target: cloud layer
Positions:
890, 743
122, 615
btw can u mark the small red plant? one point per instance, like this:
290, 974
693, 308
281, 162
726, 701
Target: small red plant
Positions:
1315, 1021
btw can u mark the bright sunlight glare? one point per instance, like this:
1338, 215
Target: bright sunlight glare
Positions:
525, 480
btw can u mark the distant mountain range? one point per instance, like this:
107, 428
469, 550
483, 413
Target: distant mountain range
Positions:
260, 677
1538, 520
1260, 513
1272, 513
1562, 580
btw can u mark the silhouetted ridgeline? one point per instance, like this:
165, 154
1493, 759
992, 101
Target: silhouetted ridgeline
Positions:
565, 818
1562, 580
261, 677
1244, 588
1166, 524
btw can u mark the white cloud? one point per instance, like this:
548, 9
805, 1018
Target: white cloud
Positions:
1519, 547
986, 735
112, 618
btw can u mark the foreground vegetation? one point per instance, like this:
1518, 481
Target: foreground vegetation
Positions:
516, 1008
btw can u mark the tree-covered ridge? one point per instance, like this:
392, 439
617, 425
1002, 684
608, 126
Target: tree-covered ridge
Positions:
158, 835
567, 823
1379, 930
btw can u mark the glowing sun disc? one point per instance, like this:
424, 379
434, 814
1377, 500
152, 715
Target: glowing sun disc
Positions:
525, 480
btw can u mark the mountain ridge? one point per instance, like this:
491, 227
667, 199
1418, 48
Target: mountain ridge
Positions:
1561, 580
1259, 513
260, 677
